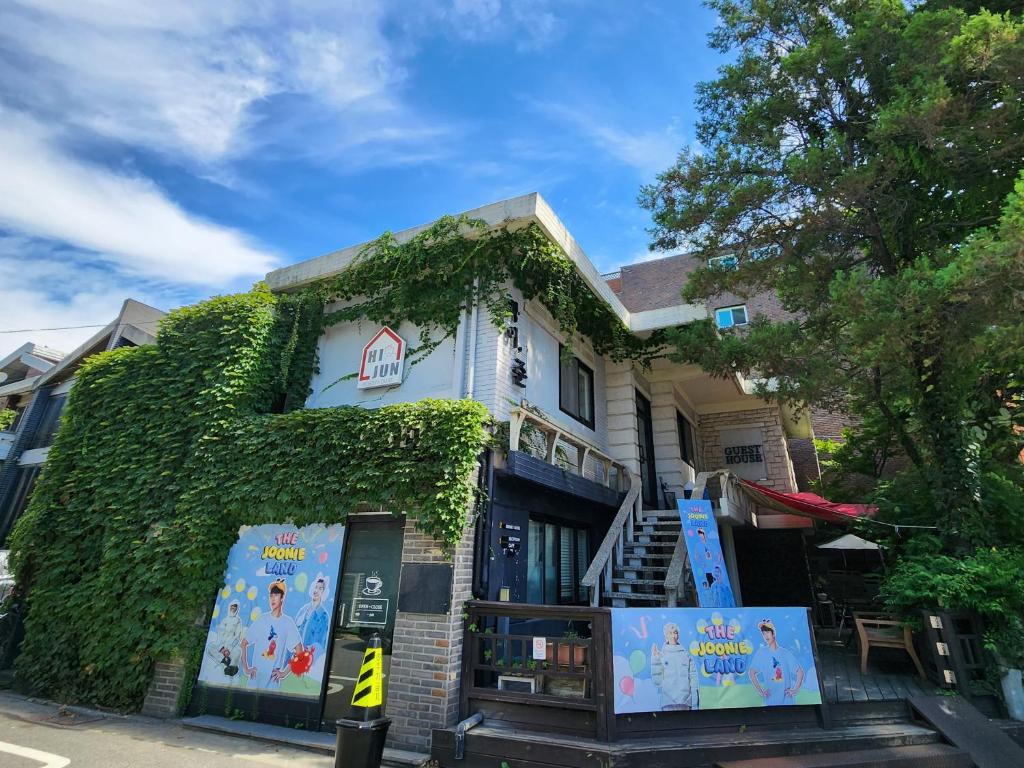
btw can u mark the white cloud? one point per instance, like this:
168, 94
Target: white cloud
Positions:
648, 151
38, 294
126, 220
186, 78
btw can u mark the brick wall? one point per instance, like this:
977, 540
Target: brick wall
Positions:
164, 689
778, 466
426, 658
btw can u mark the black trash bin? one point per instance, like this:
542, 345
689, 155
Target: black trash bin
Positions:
360, 743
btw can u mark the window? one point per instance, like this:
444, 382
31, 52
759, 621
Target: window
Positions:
557, 559
19, 412
575, 389
727, 317
50, 421
686, 445
723, 263
25, 484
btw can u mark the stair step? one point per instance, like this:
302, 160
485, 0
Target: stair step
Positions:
642, 556
651, 545
916, 756
640, 582
645, 597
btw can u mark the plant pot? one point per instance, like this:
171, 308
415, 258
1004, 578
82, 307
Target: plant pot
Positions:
1013, 692
561, 658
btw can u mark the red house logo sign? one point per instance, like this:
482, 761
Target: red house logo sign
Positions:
382, 361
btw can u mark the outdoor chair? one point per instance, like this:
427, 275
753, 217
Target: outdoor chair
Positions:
880, 630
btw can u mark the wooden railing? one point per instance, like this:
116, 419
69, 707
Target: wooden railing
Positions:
525, 416
609, 555
573, 678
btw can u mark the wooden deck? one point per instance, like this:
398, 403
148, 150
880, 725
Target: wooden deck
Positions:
891, 676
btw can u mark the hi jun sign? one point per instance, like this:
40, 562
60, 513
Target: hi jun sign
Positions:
382, 360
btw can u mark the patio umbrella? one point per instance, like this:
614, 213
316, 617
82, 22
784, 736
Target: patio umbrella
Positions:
850, 542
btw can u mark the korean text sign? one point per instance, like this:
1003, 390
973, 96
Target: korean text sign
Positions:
673, 659
270, 625
705, 550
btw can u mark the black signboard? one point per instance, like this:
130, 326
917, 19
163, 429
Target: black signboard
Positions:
426, 588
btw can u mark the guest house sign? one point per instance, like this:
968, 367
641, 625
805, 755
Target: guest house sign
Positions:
382, 361
743, 451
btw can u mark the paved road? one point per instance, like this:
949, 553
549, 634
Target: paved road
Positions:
34, 735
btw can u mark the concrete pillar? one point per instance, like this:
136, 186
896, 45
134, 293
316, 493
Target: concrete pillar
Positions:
623, 437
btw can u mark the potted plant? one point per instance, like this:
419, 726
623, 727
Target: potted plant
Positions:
559, 653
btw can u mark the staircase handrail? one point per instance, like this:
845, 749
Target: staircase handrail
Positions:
603, 564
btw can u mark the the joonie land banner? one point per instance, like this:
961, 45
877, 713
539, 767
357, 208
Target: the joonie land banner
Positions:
271, 620
677, 659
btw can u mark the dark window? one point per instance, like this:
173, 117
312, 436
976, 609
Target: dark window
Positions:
50, 421
687, 451
558, 555
575, 389
26, 483
19, 412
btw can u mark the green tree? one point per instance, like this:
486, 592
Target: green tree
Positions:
858, 157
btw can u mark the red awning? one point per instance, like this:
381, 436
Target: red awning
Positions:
806, 504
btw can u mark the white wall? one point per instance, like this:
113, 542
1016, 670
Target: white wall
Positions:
446, 371
340, 349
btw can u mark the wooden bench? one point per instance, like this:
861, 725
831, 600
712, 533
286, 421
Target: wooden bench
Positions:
880, 630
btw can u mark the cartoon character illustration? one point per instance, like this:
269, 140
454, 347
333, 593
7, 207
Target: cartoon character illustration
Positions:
721, 592
300, 663
314, 621
274, 638
227, 646
774, 671
271, 645
674, 672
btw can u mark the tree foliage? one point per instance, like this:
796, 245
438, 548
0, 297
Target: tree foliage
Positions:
858, 157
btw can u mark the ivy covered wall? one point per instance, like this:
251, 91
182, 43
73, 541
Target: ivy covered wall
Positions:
165, 450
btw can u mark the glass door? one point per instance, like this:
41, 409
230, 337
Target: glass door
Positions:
366, 603
645, 433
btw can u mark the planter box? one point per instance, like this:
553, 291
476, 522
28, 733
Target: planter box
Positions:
566, 688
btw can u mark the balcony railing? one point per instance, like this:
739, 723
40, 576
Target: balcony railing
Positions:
530, 430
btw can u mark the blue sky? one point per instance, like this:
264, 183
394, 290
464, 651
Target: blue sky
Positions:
171, 151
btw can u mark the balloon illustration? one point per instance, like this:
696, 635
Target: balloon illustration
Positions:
627, 685
637, 662
323, 557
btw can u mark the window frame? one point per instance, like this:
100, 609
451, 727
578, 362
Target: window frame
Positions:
687, 441
727, 262
732, 310
558, 523
578, 366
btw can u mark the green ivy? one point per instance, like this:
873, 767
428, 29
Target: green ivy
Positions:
165, 450
6, 418
456, 263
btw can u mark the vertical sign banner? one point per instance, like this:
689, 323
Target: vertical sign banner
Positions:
271, 620
678, 659
705, 550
